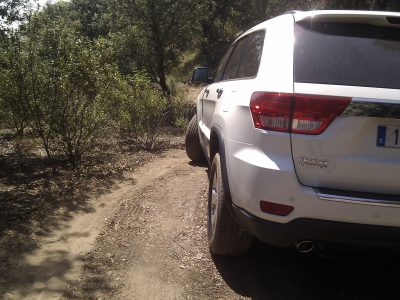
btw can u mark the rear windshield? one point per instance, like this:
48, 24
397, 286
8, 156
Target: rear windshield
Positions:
347, 54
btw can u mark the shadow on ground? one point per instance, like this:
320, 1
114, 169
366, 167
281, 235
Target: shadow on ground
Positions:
273, 273
34, 202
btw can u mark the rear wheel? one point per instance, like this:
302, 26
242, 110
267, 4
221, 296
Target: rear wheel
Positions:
225, 237
192, 142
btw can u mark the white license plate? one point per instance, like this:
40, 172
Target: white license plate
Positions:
388, 136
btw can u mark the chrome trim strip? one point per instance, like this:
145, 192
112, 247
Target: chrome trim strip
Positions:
377, 101
368, 108
354, 200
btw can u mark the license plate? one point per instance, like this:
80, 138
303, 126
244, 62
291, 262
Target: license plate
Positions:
388, 136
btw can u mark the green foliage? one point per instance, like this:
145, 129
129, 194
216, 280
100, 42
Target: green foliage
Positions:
12, 111
52, 82
10, 11
92, 17
182, 108
154, 34
142, 112
189, 62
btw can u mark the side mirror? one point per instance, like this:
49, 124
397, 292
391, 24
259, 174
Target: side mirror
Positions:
200, 75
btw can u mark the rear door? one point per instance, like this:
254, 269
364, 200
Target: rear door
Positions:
208, 102
360, 149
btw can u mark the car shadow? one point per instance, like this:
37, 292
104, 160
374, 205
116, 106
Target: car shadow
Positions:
272, 273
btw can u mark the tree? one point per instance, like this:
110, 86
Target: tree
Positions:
142, 112
92, 17
12, 93
10, 11
153, 34
56, 77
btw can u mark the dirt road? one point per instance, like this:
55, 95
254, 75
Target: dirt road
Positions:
154, 246
147, 240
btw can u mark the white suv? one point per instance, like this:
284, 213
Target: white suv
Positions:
300, 126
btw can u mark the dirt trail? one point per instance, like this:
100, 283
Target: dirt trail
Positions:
65, 248
155, 246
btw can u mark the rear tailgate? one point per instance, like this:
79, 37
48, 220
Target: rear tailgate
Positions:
360, 60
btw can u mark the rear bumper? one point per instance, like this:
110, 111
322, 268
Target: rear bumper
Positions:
255, 174
285, 235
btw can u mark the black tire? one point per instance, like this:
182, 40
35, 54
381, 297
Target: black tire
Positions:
225, 237
192, 142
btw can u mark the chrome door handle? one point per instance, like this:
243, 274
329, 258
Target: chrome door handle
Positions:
219, 92
206, 92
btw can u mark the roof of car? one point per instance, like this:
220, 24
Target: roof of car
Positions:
378, 18
355, 13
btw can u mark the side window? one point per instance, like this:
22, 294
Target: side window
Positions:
250, 60
233, 64
222, 64
243, 58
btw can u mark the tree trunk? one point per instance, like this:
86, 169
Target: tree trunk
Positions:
163, 81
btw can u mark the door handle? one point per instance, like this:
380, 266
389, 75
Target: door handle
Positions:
206, 92
219, 92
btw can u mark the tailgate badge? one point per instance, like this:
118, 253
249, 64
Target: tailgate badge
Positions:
313, 162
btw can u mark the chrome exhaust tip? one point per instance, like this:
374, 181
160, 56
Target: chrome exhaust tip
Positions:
304, 246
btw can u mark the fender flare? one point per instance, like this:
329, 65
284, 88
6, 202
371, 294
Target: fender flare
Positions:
216, 130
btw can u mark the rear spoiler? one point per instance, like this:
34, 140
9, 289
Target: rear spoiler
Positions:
376, 18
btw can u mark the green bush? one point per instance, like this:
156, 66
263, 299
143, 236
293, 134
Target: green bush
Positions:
12, 113
53, 82
142, 112
182, 107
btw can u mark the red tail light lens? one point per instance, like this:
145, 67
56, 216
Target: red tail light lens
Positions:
305, 114
313, 114
271, 111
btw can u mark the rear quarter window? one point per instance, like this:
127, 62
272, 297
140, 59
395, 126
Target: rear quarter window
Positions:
347, 54
252, 56
234, 61
244, 61
222, 65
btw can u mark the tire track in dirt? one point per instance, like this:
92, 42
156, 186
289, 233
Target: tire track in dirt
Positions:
50, 269
155, 246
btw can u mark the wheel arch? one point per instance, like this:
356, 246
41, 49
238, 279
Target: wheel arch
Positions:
217, 145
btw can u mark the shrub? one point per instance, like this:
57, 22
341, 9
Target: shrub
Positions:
53, 82
12, 113
183, 108
142, 112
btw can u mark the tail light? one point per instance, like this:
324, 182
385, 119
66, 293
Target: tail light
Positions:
305, 114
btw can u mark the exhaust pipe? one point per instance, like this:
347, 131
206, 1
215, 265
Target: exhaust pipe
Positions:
304, 246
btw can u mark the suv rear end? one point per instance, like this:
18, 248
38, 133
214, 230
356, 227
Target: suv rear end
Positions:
355, 57
311, 145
